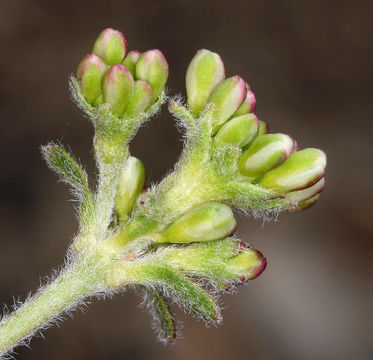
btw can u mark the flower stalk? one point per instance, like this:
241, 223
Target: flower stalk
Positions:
77, 281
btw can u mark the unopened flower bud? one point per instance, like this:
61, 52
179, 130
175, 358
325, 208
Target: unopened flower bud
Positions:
89, 74
118, 88
111, 46
152, 67
306, 204
204, 72
248, 105
263, 128
131, 182
266, 152
226, 99
304, 194
140, 100
301, 170
238, 131
206, 222
248, 264
130, 61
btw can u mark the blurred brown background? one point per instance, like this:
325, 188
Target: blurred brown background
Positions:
310, 65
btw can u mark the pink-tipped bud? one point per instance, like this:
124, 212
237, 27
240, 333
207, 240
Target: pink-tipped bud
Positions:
89, 74
248, 105
152, 67
130, 61
265, 153
239, 131
301, 170
118, 88
248, 264
258, 270
204, 72
111, 46
226, 99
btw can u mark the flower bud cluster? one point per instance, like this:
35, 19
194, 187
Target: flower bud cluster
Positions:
206, 84
273, 162
206, 224
180, 230
267, 160
300, 178
203, 231
127, 82
196, 245
209, 222
176, 236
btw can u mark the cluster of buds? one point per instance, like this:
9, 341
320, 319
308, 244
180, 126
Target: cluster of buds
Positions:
171, 260
127, 82
185, 223
177, 236
225, 260
209, 222
173, 240
270, 161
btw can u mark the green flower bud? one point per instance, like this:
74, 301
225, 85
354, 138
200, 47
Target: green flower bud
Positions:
226, 99
306, 204
140, 100
238, 131
226, 262
206, 222
304, 194
130, 61
204, 72
89, 74
301, 170
248, 105
266, 152
118, 88
152, 67
111, 46
131, 182
263, 128
248, 264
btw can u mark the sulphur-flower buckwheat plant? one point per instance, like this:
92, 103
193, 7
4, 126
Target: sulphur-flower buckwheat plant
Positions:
172, 241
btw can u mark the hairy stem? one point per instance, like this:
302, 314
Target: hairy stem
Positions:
77, 281
104, 202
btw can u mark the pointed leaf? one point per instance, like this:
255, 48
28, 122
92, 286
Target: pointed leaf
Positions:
185, 292
163, 319
60, 161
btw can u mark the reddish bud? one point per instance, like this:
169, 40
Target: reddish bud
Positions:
118, 88
89, 74
111, 46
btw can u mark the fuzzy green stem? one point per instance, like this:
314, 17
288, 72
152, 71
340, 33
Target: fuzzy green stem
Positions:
104, 202
76, 282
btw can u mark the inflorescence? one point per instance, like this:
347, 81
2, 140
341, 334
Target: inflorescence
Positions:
174, 240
